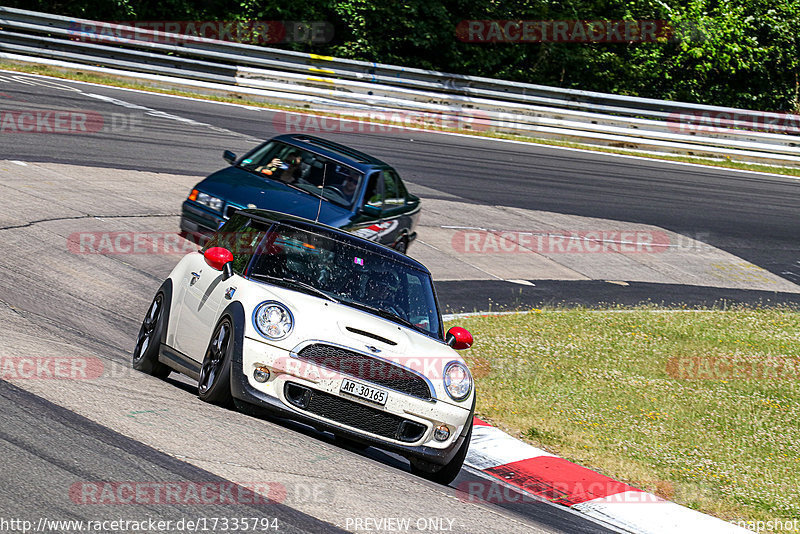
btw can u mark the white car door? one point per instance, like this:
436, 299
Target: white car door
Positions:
204, 291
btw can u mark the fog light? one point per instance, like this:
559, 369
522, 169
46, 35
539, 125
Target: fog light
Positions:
441, 433
261, 374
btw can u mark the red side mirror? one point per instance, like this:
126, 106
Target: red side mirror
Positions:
459, 338
217, 257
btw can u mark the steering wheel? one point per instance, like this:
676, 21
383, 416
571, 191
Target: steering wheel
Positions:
336, 189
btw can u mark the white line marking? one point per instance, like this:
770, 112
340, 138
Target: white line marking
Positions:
169, 116
457, 259
663, 517
528, 496
453, 316
491, 447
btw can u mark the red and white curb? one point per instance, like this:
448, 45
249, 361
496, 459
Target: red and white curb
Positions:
551, 478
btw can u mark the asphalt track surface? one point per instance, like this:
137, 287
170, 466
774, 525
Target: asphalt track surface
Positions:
56, 435
42, 441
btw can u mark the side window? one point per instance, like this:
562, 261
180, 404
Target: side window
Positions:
373, 196
222, 237
402, 192
421, 310
247, 241
394, 190
257, 159
239, 236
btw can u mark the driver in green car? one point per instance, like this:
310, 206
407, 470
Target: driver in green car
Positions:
294, 170
350, 185
288, 170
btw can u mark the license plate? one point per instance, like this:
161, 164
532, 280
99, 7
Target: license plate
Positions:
363, 391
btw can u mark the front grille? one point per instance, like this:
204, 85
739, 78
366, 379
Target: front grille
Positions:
367, 368
353, 414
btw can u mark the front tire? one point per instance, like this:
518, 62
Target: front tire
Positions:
148, 343
214, 384
447, 473
402, 245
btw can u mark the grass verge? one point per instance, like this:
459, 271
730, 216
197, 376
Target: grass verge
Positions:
701, 407
90, 77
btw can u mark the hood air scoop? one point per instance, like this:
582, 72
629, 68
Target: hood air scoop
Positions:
371, 335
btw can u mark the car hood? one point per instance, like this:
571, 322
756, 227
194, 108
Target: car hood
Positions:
245, 189
327, 321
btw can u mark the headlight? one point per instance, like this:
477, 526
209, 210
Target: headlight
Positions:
457, 381
206, 200
273, 320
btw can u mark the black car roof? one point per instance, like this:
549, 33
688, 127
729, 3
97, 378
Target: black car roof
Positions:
305, 224
335, 151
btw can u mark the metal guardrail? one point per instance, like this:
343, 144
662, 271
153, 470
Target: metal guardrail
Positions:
342, 85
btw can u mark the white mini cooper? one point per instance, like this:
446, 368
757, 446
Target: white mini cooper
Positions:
320, 326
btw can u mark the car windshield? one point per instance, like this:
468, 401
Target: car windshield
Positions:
304, 170
338, 269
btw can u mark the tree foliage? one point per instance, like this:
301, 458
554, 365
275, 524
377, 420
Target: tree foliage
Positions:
740, 53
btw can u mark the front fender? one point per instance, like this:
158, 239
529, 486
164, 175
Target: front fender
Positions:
166, 289
235, 312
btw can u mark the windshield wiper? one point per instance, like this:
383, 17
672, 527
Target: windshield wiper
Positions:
385, 314
297, 283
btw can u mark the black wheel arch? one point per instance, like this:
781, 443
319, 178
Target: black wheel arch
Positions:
235, 313
166, 289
